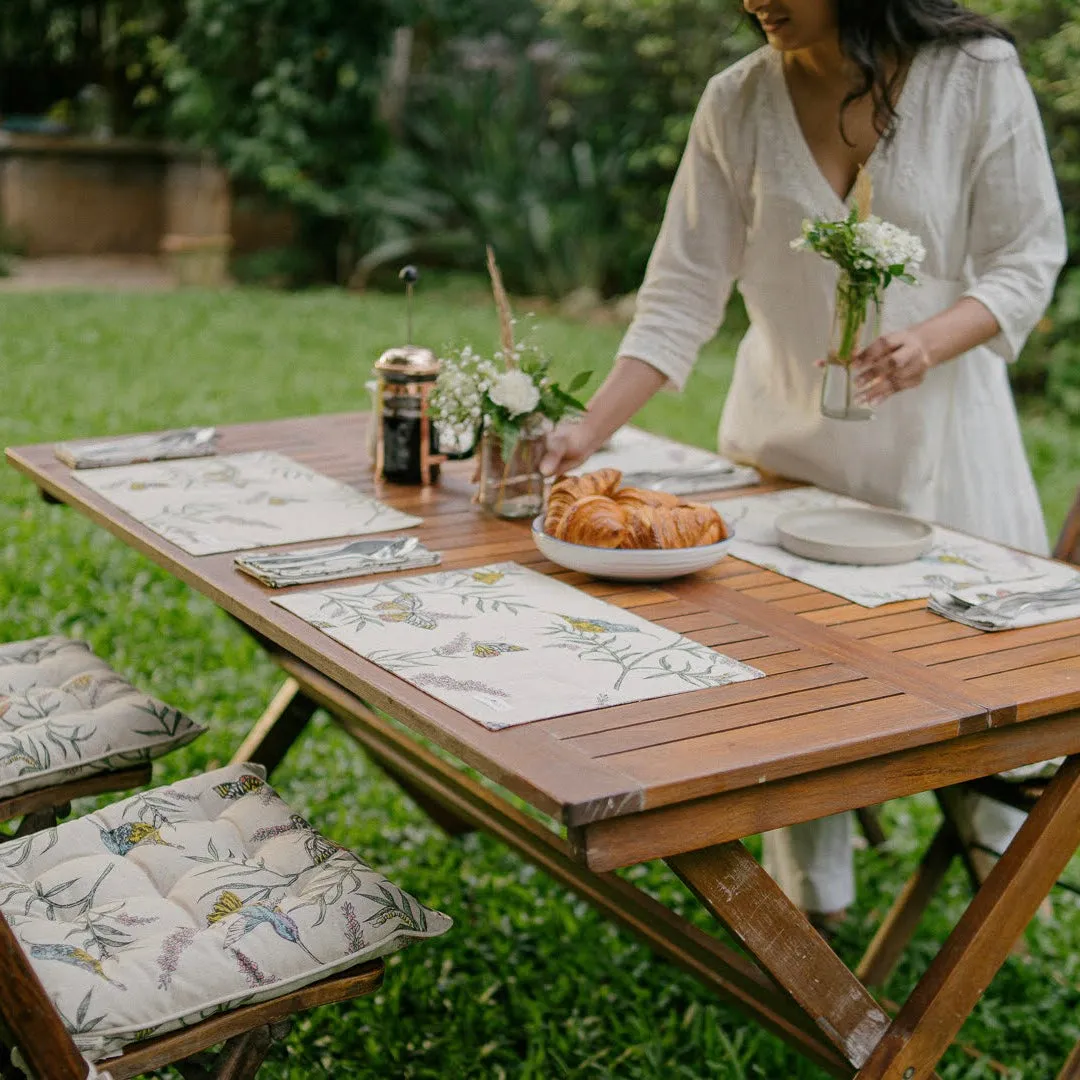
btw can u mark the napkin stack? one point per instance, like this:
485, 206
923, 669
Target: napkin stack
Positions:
357, 558
1009, 605
135, 449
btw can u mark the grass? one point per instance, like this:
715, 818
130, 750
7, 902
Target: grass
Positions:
530, 984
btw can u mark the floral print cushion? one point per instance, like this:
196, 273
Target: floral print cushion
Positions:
193, 899
65, 714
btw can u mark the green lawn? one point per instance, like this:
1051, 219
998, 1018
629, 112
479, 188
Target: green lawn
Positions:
530, 983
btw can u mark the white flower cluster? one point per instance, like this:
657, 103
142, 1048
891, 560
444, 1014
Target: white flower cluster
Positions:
459, 392
885, 245
801, 243
516, 392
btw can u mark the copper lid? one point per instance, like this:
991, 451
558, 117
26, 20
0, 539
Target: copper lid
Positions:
409, 360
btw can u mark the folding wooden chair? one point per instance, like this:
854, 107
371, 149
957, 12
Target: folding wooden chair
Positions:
197, 914
73, 728
37, 1030
895, 932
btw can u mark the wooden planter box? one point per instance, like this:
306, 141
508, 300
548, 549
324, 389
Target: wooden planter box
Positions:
81, 196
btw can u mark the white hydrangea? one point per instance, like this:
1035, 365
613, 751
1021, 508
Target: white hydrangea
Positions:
459, 391
885, 245
515, 392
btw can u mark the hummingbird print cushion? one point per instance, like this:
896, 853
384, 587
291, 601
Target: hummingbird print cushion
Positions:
955, 561
193, 899
65, 714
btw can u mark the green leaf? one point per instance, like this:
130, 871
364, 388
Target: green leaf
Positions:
578, 381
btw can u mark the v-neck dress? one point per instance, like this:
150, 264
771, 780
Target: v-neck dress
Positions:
969, 172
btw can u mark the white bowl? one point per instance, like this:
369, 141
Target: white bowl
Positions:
628, 565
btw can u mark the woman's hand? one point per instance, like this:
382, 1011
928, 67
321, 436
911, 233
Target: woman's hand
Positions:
893, 363
569, 445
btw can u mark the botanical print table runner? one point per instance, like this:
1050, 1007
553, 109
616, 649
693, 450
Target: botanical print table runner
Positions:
239, 501
506, 645
648, 460
955, 560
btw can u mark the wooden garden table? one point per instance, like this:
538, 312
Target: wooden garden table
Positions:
859, 706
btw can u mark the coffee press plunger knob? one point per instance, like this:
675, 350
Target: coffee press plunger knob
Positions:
410, 275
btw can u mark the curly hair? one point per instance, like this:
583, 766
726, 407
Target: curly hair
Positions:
880, 36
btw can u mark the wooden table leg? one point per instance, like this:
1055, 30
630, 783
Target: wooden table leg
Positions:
730, 882
898, 926
975, 950
722, 969
870, 822
278, 728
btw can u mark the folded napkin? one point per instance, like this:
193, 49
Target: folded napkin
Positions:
651, 461
354, 559
1009, 605
135, 449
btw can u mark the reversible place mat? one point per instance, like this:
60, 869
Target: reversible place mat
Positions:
506, 645
955, 561
651, 461
241, 501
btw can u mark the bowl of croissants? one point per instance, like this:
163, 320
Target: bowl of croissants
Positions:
595, 525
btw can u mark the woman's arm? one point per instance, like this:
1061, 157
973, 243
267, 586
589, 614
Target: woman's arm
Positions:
626, 389
1016, 243
694, 263
900, 361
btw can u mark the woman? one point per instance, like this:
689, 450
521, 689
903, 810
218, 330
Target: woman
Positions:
930, 98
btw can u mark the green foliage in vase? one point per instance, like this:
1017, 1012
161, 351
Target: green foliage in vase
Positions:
870, 254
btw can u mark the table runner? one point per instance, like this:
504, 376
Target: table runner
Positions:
956, 561
687, 469
238, 501
505, 645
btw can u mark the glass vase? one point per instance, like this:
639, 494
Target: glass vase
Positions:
511, 484
856, 323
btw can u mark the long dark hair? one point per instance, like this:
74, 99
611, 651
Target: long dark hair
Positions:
875, 33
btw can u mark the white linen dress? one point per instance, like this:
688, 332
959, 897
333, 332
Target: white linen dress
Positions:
968, 171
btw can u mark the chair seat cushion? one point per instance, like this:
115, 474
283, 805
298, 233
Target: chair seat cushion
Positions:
192, 899
65, 714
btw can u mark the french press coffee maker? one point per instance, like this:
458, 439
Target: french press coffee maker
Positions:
406, 439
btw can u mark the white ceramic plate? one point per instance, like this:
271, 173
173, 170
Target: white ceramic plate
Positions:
619, 565
854, 536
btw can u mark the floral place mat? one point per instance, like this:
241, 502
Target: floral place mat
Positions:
650, 461
240, 501
506, 645
955, 561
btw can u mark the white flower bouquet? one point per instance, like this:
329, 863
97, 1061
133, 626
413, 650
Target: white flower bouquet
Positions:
871, 254
509, 400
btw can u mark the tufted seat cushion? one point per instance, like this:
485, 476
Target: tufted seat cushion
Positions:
188, 900
65, 714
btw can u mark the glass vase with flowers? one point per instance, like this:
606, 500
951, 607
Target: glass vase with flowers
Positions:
512, 402
870, 254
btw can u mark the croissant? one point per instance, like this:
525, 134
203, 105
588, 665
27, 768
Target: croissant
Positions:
593, 510
691, 525
596, 521
642, 497
567, 490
